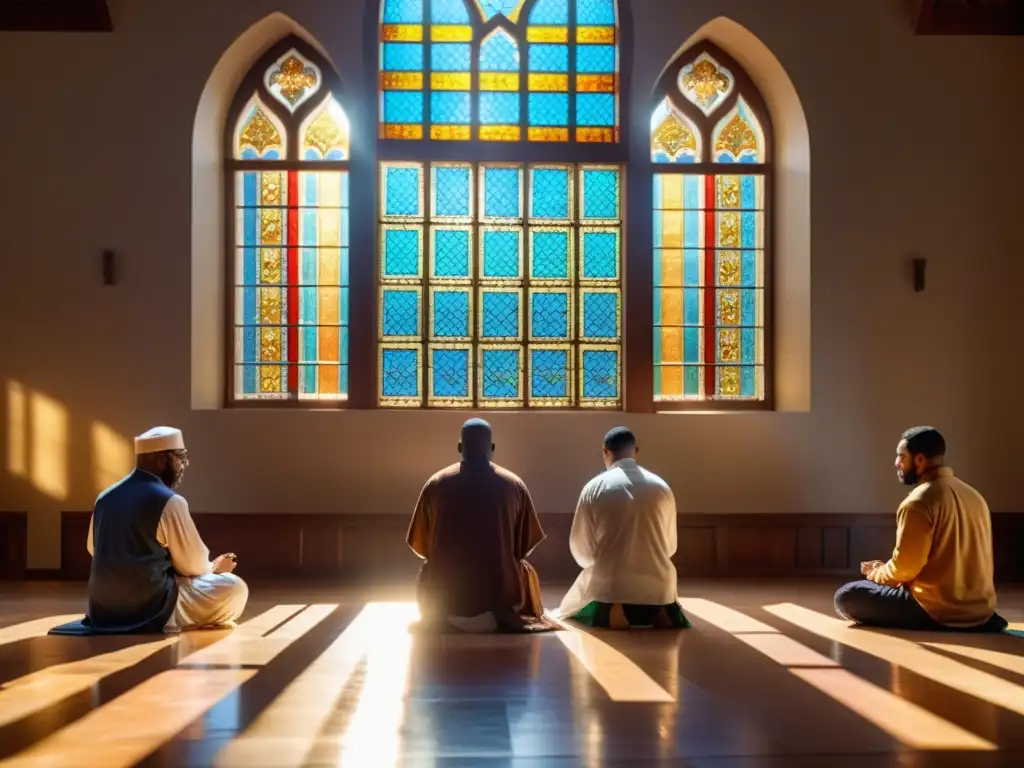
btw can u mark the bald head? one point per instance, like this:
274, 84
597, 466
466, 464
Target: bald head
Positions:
476, 441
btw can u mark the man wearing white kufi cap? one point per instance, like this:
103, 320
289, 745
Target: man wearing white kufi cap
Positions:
151, 571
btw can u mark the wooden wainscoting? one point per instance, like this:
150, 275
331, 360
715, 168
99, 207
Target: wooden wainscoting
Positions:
372, 547
13, 545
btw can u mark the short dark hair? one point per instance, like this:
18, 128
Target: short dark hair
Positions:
619, 439
927, 441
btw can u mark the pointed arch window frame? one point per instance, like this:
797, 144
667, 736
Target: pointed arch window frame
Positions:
640, 294
359, 308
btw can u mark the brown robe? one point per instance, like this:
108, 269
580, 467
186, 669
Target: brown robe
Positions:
474, 525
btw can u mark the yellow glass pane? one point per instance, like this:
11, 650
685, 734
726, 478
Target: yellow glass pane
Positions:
499, 81
450, 132
549, 134
451, 34
672, 267
597, 135
401, 81
329, 267
270, 226
729, 345
411, 131
672, 192
270, 265
729, 230
671, 306
601, 35
450, 81
672, 345
270, 305
729, 267
729, 381
672, 229
401, 33
499, 133
270, 349
540, 81
671, 380
596, 83
328, 376
728, 307
536, 34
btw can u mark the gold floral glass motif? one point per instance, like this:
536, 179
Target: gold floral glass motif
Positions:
292, 80
705, 83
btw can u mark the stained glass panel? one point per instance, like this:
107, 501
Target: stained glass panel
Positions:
426, 75
708, 287
259, 135
292, 285
326, 133
705, 83
738, 137
521, 271
293, 80
674, 137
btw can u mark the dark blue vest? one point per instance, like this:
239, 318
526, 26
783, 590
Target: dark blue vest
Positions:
131, 584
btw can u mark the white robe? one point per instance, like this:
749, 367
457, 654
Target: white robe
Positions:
205, 598
623, 537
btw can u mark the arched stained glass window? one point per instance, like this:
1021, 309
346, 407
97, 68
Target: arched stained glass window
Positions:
288, 145
711, 161
500, 259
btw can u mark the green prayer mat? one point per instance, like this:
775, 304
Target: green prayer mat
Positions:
597, 614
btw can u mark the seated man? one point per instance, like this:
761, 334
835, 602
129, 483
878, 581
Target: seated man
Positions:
150, 570
474, 525
940, 573
623, 537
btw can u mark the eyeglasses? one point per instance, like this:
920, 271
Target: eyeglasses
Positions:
182, 456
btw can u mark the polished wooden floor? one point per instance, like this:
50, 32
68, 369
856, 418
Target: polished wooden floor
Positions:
328, 676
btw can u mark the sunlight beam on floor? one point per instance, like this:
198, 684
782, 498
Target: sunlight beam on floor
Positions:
1008, 661
905, 721
289, 728
620, 678
35, 628
908, 655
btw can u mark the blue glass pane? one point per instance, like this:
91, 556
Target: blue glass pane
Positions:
449, 107
600, 374
451, 314
403, 11
691, 306
691, 267
748, 269
692, 191
691, 344
449, 12
499, 53
402, 193
691, 229
600, 255
596, 59
548, 373
748, 229
691, 381
492, 8
551, 12
725, 158
403, 57
500, 315
748, 381
451, 373
549, 109
501, 253
595, 12
401, 253
748, 192
549, 58
450, 57
499, 108
748, 344
595, 109
550, 255
403, 106
501, 193
500, 374
451, 253
549, 315
600, 194
452, 191
400, 373
550, 194
401, 312
600, 315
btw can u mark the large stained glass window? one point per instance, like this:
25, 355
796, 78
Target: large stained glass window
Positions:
289, 149
500, 70
500, 285
712, 177
500, 265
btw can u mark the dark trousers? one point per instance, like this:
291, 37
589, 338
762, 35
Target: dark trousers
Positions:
875, 605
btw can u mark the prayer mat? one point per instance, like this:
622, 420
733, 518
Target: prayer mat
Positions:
625, 616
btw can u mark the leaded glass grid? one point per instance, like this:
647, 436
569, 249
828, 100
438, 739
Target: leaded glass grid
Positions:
290, 232
546, 71
500, 286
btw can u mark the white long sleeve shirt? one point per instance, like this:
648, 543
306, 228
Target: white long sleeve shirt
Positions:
623, 537
177, 533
